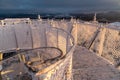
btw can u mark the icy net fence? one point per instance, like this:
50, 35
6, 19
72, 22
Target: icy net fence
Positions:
51, 60
111, 48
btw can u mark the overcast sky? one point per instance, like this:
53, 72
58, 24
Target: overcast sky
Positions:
62, 5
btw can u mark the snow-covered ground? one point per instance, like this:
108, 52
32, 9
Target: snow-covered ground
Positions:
114, 25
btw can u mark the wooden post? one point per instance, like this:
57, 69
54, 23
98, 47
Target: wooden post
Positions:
1, 57
23, 58
2, 22
19, 55
74, 31
0, 75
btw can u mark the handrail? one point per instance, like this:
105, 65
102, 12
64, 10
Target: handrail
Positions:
23, 51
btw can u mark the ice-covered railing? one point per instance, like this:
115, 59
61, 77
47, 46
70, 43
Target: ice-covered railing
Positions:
25, 36
30, 62
43, 52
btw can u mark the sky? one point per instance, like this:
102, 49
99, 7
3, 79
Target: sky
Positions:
61, 5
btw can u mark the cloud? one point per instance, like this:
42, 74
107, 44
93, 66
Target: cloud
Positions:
60, 4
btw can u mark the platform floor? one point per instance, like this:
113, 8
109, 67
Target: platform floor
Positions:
89, 66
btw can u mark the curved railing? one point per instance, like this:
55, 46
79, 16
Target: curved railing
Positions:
57, 46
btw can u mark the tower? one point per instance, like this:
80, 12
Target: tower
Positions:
39, 18
95, 17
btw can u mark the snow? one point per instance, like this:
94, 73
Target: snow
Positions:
115, 24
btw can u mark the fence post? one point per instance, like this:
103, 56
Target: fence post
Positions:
74, 32
1, 57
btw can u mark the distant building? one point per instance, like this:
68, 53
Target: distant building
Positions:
11, 21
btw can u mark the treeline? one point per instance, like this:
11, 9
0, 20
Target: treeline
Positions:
101, 17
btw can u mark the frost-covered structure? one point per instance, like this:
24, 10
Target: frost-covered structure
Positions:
33, 50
